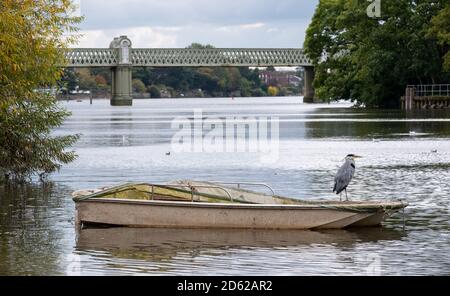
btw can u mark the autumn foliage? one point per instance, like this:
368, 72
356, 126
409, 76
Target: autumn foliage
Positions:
33, 34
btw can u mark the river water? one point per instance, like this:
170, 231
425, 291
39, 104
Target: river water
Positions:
405, 156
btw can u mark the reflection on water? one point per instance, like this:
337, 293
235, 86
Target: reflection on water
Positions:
36, 229
173, 250
405, 156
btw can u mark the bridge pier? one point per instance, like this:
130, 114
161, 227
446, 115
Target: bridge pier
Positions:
121, 89
309, 93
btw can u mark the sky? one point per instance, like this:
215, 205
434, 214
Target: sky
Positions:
178, 23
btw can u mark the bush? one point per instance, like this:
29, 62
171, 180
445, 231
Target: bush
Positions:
154, 92
138, 86
272, 91
258, 93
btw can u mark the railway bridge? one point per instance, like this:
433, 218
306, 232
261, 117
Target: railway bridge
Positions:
121, 57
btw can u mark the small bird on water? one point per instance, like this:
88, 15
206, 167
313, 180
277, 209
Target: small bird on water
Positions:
345, 175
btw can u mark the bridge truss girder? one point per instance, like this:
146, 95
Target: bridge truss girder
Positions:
121, 57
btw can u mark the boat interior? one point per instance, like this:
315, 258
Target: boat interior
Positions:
214, 192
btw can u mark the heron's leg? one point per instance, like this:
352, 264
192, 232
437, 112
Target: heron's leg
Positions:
340, 196
346, 197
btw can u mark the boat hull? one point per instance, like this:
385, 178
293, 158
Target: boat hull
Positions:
175, 214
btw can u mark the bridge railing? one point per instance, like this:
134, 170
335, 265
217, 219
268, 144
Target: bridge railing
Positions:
180, 57
431, 90
218, 57
91, 57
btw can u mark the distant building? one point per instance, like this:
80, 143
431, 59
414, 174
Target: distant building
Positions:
280, 78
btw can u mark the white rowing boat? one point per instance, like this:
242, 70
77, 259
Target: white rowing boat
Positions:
190, 204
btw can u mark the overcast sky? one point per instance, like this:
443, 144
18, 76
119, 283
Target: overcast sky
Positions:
178, 23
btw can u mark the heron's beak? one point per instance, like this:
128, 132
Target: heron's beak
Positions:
357, 156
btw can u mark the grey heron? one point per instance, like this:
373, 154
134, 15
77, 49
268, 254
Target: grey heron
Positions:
345, 175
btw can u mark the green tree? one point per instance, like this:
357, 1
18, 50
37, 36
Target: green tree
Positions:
138, 86
371, 60
69, 80
245, 87
258, 93
154, 92
199, 46
103, 72
100, 80
440, 29
233, 79
212, 81
32, 35
85, 80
